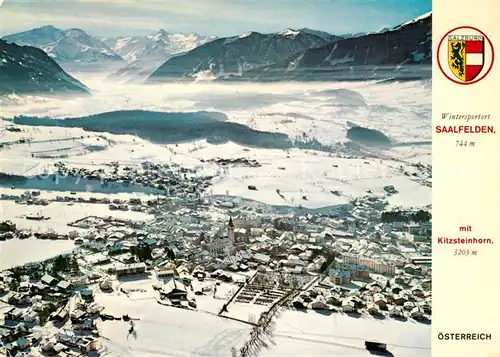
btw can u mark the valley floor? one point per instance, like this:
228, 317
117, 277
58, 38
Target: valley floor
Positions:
305, 180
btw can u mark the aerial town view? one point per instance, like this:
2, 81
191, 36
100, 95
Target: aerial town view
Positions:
215, 179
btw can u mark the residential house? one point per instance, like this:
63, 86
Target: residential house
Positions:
49, 280
87, 294
148, 242
167, 272
77, 316
380, 301
427, 284
348, 306
293, 261
24, 287
400, 280
418, 238
339, 277
417, 291
396, 311
261, 258
396, 289
412, 269
61, 315
78, 281
400, 299
30, 317
425, 306
373, 309
319, 303
417, 314
23, 343
64, 286
130, 269
174, 290
299, 304
408, 306
184, 276
334, 299
13, 314
116, 248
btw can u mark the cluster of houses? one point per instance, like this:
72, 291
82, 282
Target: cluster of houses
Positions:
30, 300
350, 261
352, 288
173, 179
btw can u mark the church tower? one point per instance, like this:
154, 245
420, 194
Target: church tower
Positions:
230, 230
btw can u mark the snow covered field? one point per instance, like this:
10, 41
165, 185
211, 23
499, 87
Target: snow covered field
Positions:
173, 332
176, 332
167, 331
321, 111
60, 214
313, 334
15, 252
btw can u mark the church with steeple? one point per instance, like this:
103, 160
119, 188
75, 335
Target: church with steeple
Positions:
222, 244
230, 230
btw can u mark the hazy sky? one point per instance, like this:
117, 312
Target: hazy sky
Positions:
207, 17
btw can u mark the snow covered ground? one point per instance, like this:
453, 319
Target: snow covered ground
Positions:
60, 214
15, 252
176, 332
321, 110
400, 110
295, 173
313, 334
167, 331
173, 332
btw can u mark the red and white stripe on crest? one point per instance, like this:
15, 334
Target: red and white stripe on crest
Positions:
474, 59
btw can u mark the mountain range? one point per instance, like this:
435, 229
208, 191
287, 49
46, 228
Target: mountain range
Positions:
28, 59
146, 53
77, 45
304, 55
236, 55
135, 56
379, 55
65, 45
159, 45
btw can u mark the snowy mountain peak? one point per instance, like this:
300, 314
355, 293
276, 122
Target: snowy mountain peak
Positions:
417, 19
383, 29
324, 35
160, 35
158, 46
48, 27
235, 55
65, 45
289, 32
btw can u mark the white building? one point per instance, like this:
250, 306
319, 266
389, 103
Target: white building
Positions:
245, 222
376, 266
